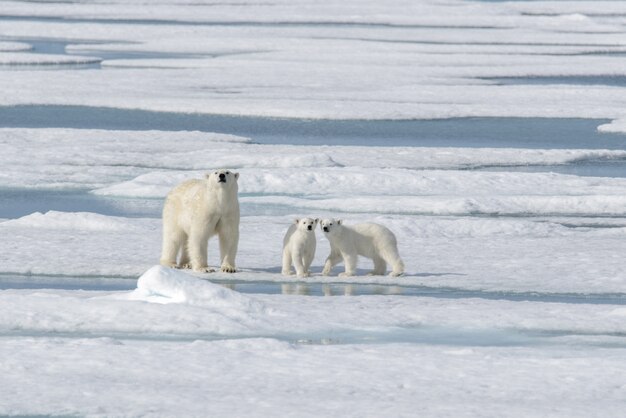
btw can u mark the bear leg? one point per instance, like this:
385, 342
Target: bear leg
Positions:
307, 259
398, 268
380, 266
298, 264
350, 264
229, 240
172, 243
286, 270
197, 250
397, 265
333, 259
185, 261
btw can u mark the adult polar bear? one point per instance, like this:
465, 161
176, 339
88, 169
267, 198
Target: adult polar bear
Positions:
367, 239
196, 210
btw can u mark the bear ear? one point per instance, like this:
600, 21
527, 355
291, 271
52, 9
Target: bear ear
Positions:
296, 220
339, 221
316, 220
236, 176
207, 175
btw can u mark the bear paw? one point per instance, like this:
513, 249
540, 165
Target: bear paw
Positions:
204, 269
347, 274
227, 268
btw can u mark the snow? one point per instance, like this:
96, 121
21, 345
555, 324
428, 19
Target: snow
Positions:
618, 125
513, 299
14, 46
19, 58
424, 60
135, 357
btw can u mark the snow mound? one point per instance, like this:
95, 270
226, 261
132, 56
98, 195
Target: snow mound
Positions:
166, 285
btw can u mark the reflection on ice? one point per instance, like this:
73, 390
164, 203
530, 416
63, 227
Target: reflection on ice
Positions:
311, 288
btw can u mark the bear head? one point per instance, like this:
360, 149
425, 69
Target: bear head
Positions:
222, 178
306, 224
330, 225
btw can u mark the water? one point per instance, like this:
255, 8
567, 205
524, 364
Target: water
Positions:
309, 288
541, 133
15, 203
589, 80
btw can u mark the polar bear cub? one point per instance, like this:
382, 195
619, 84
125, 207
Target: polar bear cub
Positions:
367, 239
299, 246
196, 210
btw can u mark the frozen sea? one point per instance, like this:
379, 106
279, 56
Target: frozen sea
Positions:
490, 136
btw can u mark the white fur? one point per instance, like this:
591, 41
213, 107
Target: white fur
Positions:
299, 246
196, 210
368, 239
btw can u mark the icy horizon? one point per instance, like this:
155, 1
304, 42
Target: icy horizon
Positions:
403, 60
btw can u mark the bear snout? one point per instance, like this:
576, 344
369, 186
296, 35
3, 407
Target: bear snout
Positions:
222, 178
309, 228
325, 229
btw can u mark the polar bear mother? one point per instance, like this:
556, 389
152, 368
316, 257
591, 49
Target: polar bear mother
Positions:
196, 210
367, 239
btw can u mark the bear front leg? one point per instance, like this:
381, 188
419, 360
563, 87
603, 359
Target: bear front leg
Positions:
197, 249
306, 261
297, 263
350, 263
229, 241
172, 242
333, 259
286, 262
185, 261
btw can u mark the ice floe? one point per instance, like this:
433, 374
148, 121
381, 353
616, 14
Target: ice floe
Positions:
517, 278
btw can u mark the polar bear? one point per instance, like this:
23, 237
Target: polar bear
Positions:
299, 246
196, 210
367, 239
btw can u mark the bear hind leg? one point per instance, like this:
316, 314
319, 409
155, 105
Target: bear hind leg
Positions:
380, 266
397, 268
397, 265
